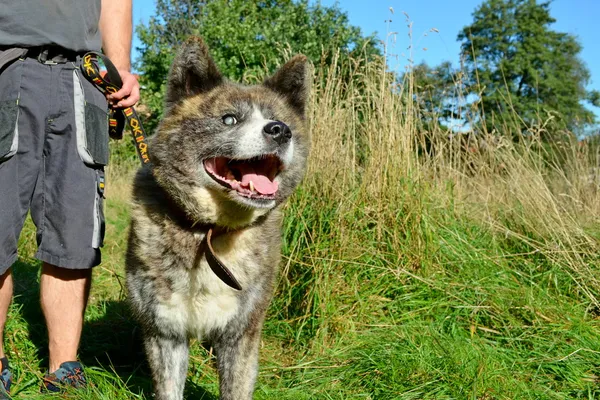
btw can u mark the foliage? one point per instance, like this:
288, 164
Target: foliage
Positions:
524, 72
449, 275
246, 38
440, 96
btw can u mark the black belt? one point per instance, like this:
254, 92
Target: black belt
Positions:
48, 54
52, 54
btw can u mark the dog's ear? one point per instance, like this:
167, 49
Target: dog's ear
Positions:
292, 81
193, 72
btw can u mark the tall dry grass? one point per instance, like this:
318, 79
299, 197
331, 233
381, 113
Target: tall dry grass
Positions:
380, 187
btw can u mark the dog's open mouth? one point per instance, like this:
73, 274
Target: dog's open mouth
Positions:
254, 178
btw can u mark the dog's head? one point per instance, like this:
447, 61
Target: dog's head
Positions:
226, 153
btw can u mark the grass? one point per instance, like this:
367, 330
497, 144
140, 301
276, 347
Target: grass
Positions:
469, 272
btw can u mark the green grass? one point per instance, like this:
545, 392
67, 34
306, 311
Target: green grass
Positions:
474, 316
460, 275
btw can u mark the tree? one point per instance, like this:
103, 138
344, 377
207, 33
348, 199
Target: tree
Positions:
440, 95
246, 37
525, 72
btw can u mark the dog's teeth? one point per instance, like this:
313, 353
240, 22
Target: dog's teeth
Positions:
251, 186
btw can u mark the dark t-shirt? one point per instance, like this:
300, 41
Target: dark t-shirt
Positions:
72, 24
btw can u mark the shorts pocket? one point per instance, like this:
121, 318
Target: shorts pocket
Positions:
99, 223
9, 133
91, 122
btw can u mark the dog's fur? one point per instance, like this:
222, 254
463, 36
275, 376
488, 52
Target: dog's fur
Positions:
172, 291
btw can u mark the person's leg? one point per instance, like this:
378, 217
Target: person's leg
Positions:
67, 209
20, 154
64, 294
6, 291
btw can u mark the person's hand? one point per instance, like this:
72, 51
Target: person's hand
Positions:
129, 94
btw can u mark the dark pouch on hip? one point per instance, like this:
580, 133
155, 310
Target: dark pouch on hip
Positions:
10, 82
91, 120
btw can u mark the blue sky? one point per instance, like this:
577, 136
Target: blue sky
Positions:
578, 17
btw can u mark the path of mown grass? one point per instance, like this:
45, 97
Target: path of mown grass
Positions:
463, 315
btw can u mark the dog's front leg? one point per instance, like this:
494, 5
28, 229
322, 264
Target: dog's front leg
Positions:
168, 359
237, 362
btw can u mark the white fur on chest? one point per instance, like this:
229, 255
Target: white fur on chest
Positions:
207, 304
201, 302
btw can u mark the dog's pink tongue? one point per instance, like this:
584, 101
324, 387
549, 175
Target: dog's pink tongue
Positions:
261, 183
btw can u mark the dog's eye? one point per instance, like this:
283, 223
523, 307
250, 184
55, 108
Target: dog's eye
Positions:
229, 119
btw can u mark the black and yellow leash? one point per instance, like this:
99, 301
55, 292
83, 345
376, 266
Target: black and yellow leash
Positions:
117, 117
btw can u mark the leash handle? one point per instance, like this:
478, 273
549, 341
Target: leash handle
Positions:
89, 68
91, 71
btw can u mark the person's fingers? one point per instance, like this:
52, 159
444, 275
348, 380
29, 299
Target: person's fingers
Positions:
128, 95
132, 99
128, 84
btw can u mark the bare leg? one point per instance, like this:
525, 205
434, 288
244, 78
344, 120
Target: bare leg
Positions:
64, 294
6, 292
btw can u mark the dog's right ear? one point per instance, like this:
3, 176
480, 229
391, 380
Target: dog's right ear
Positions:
193, 72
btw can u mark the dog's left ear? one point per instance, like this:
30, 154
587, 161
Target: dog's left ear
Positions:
292, 81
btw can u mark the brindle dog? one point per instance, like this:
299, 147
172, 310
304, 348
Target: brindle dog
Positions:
224, 159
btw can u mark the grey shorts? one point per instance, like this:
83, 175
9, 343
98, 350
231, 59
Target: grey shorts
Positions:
53, 149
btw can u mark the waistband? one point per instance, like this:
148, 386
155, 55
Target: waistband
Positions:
49, 54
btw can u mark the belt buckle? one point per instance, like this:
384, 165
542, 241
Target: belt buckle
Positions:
43, 57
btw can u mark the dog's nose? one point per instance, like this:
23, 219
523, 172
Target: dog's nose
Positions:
278, 131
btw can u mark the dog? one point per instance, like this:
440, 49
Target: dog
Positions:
205, 237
